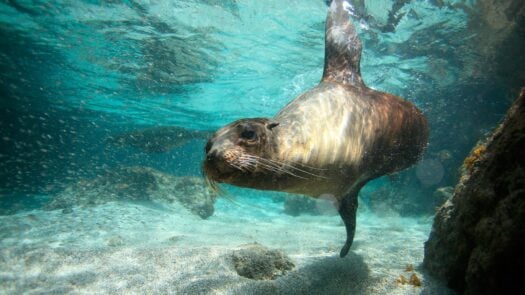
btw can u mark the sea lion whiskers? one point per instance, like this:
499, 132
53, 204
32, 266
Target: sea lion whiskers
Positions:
255, 162
289, 164
213, 185
216, 189
283, 167
238, 166
269, 166
248, 162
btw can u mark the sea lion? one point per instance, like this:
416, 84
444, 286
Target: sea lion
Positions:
332, 139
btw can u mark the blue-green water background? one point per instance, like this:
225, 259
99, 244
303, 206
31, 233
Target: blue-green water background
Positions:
75, 72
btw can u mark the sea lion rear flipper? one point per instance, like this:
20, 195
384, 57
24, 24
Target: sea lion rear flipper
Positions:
342, 47
347, 210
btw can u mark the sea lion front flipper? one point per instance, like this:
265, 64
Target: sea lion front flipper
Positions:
342, 47
348, 210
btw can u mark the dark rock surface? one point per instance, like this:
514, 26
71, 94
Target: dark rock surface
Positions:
478, 236
137, 183
257, 262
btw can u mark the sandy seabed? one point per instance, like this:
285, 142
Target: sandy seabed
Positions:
156, 248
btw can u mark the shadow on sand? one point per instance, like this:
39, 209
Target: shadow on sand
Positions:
330, 275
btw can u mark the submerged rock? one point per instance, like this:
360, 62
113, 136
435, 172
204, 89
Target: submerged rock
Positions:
296, 205
257, 262
478, 235
137, 183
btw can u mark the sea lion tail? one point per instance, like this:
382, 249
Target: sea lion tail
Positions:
348, 210
342, 46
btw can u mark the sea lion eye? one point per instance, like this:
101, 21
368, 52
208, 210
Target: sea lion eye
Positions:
248, 134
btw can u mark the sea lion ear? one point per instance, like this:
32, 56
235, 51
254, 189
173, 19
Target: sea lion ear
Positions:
272, 125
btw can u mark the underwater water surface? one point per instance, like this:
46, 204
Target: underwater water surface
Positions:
84, 208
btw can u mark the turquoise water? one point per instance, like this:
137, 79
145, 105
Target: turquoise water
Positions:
76, 73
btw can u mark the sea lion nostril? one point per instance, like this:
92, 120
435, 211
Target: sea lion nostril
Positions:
208, 147
211, 156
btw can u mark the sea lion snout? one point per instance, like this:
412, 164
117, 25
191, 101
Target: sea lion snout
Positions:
222, 157
215, 166
215, 156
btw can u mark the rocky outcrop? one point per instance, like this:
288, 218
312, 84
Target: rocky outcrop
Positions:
257, 262
137, 183
478, 236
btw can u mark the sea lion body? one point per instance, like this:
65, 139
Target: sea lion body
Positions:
336, 136
350, 134
330, 140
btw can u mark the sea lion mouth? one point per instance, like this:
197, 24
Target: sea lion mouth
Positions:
221, 166
220, 176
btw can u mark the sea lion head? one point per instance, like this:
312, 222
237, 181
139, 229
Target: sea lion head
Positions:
240, 150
